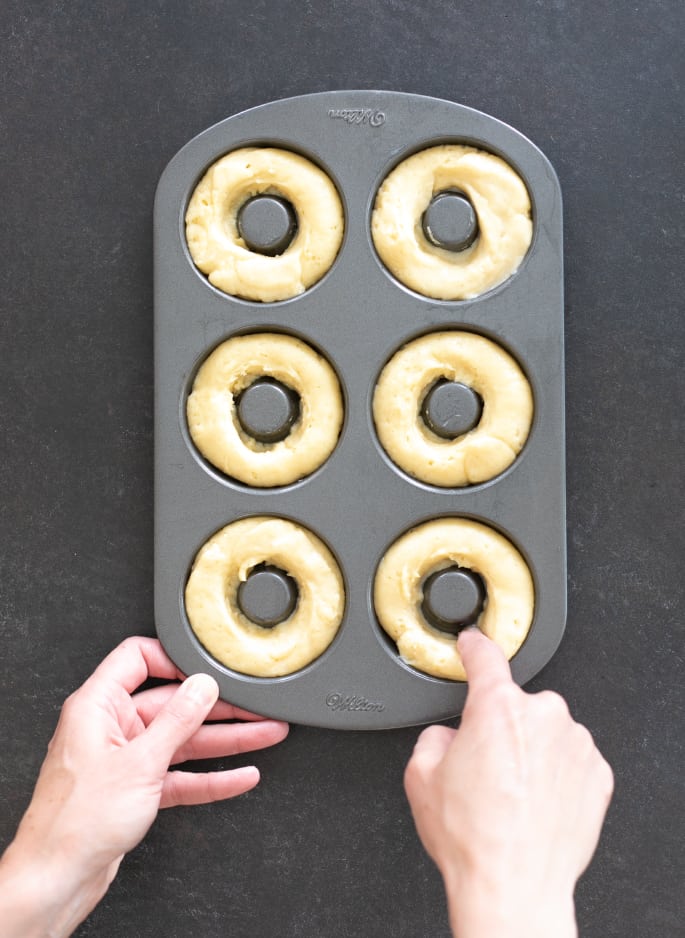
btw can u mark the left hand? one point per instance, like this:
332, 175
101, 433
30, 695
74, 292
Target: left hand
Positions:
107, 774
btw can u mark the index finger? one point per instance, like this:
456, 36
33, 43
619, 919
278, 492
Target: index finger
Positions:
484, 662
133, 662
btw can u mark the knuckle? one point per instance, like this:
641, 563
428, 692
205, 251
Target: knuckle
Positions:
186, 753
68, 721
428, 735
412, 768
413, 776
240, 740
172, 793
606, 778
130, 643
71, 705
409, 773
136, 643
584, 738
507, 697
552, 705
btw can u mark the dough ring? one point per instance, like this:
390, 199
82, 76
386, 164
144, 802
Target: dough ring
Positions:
295, 370
502, 208
480, 368
215, 241
507, 612
228, 559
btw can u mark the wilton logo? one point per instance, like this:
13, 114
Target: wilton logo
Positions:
341, 702
360, 115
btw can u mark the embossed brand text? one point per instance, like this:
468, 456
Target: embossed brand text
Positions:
359, 115
352, 702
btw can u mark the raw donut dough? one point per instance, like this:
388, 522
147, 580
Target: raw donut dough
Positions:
483, 452
436, 545
215, 243
211, 597
213, 419
502, 206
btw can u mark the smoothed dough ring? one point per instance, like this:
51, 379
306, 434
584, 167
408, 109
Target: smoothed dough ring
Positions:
226, 560
500, 201
487, 449
508, 611
213, 419
214, 240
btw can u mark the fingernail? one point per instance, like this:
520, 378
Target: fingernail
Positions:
249, 774
468, 628
201, 688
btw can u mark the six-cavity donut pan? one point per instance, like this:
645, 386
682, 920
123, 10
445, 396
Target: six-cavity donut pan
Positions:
357, 316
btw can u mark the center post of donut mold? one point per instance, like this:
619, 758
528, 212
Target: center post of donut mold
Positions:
267, 410
450, 409
450, 221
267, 224
453, 599
268, 596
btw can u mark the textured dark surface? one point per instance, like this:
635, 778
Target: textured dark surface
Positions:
96, 97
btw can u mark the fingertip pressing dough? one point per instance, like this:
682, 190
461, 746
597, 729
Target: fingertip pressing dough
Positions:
484, 451
502, 206
214, 240
226, 560
213, 420
398, 591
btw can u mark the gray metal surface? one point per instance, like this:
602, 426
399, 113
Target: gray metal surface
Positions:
358, 316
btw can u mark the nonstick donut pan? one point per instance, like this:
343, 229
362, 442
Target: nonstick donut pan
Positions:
357, 316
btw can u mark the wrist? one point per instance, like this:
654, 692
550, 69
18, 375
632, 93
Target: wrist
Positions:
42, 895
483, 906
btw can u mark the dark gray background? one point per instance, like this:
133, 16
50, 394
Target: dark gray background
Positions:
96, 97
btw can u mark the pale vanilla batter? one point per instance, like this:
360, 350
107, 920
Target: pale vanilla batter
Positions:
213, 419
214, 240
508, 610
211, 597
486, 450
500, 201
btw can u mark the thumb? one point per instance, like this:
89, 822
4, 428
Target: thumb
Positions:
179, 718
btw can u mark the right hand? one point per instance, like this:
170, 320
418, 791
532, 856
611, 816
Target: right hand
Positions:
510, 805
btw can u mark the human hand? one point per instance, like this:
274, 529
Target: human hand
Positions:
106, 775
510, 805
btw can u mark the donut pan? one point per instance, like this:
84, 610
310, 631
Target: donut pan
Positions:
357, 316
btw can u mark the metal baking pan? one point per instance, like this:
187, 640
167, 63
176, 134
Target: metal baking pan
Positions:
358, 315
